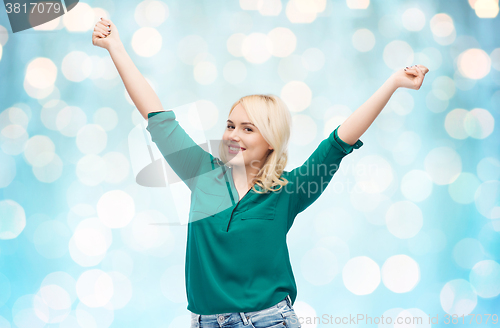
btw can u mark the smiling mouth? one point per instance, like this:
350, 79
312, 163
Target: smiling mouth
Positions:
235, 150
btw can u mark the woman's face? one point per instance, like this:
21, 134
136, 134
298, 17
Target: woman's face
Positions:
250, 147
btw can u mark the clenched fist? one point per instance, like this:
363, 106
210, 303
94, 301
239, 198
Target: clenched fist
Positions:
410, 77
105, 34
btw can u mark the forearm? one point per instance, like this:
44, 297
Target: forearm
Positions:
358, 122
139, 90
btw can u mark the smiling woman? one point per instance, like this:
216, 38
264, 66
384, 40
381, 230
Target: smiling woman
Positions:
259, 127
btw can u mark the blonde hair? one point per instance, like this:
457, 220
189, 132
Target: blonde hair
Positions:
271, 116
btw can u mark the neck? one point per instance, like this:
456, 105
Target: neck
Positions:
245, 175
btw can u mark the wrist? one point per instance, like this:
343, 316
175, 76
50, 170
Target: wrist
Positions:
116, 47
393, 82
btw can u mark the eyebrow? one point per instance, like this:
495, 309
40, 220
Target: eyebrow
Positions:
242, 122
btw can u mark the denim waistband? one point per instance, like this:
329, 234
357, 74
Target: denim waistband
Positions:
244, 315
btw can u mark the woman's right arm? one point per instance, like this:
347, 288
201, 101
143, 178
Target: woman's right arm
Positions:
142, 94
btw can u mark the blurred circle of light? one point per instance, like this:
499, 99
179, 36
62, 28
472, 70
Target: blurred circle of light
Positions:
109, 71
291, 68
53, 304
462, 190
62, 279
94, 288
454, 123
91, 170
319, 106
443, 165
376, 173
234, 72
303, 11
284, 41
341, 225
17, 116
76, 66
374, 206
80, 19
234, 44
205, 72
400, 273
398, 54
486, 199
458, 297
82, 259
313, 59
495, 59
189, 47
416, 185
463, 83
487, 169
8, 171
49, 172
172, 282
443, 87
106, 118
474, 63
404, 219
91, 139
363, 40
4, 36
13, 219
319, 266
442, 25
406, 148
70, 120
146, 41
39, 150
257, 48
51, 239
413, 19
486, 8
297, 95
467, 252
479, 123
41, 73
118, 167
116, 209
485, 277
92, 237
305, 130
24, 314
358, 4
270, 7
122, 290
361, 275
151, 13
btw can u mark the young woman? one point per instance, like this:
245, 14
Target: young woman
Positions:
238, 272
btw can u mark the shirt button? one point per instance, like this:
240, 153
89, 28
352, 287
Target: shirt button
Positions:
221, 318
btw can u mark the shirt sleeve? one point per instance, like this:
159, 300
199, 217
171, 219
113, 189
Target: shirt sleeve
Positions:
311, 178
183, 155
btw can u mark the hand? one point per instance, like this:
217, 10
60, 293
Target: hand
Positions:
411, 77
105, 34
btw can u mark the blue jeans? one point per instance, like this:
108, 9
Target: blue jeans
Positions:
281, 315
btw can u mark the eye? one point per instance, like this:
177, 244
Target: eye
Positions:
229, 126
249, 129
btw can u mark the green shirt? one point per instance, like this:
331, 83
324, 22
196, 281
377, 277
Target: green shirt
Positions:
236, 254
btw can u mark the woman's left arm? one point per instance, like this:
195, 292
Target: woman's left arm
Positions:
359, 121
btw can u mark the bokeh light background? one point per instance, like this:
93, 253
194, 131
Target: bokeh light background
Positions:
417, 235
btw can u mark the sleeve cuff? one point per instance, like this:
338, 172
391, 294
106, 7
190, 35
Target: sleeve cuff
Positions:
155, 113
346, 148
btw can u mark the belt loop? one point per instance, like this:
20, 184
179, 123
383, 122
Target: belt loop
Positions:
288, 301
244, 318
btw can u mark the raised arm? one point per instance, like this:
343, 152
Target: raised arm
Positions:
145, 99
359, 121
